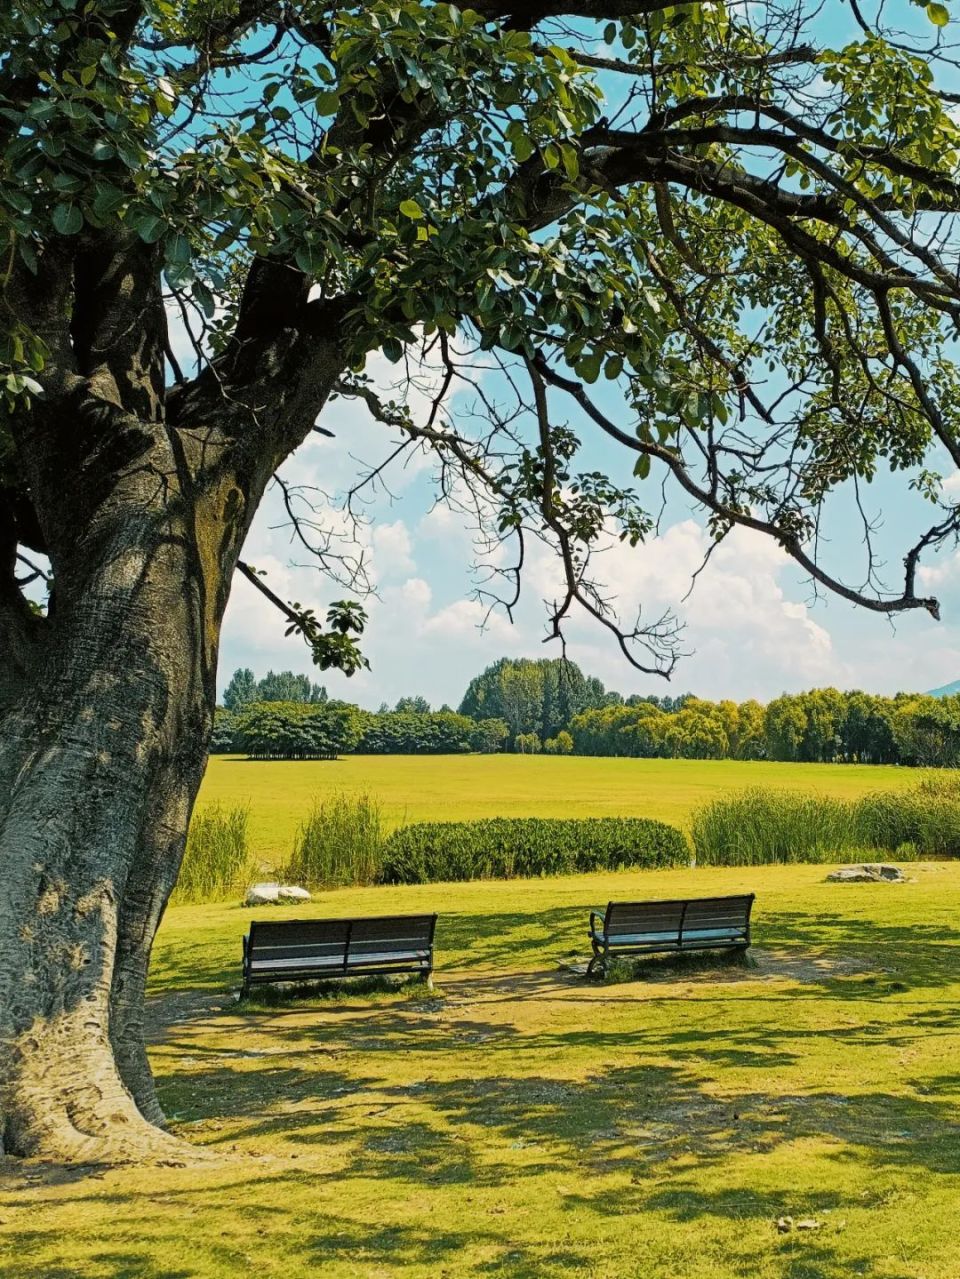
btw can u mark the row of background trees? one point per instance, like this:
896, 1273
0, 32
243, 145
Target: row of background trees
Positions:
550, 706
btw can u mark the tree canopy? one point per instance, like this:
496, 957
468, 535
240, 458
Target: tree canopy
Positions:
746, 231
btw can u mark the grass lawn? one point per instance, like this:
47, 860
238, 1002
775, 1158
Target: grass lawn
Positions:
454, 787
521, 1122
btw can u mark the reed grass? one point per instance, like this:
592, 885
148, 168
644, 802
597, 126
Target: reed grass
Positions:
217, 860
340, 843
757, 827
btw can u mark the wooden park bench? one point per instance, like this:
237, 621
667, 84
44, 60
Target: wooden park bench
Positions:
299, 950
698, 923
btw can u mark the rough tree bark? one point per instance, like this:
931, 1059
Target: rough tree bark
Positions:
143, 503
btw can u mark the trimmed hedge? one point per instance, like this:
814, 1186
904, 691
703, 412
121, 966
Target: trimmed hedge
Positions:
504, 848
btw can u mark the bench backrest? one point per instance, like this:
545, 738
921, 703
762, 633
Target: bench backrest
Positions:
673, 919
349, 940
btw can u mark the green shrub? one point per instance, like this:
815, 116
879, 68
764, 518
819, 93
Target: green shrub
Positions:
340, 843
217, 858
504, 848
757, 827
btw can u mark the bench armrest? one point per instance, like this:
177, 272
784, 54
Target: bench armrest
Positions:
597, 915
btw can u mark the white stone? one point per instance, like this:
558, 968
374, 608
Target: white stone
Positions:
291, 893
269, 894
262, 895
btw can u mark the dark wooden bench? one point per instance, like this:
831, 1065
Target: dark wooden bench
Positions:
298, 950
696, 923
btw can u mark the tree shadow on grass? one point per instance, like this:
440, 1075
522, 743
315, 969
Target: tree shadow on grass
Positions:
633, 1111
506, 940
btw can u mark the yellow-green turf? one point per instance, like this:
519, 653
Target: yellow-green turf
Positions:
521, 1122
458, 787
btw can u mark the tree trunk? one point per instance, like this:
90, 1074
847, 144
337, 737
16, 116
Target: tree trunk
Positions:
141, 497
149, 885
105, 756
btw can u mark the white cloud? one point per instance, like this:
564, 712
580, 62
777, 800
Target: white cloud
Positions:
740, 624
392, 547
751, 626
467, 620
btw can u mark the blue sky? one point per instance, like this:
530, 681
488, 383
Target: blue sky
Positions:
753, 627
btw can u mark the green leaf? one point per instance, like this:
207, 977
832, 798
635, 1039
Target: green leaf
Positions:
410, 209
571, 161
589, 367
67, 219
642, 468
177, 248
327, 102
309, 259
149, 226
523, 148
938, 14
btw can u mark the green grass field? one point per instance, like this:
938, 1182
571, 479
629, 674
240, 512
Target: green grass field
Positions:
520, 1122
457, 787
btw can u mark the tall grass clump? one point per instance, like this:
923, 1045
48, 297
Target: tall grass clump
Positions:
757, 827
217, 860
506, 847
340, 843
923, 822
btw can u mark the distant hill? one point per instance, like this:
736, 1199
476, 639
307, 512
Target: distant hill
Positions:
947, 690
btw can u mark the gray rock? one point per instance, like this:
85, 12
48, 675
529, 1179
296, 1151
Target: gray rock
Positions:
274, 894
291, 893
262, 895
869, 873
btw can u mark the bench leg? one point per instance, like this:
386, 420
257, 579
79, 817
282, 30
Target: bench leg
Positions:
427, 979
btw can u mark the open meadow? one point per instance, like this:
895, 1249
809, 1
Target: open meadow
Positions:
519, 1121
463, 787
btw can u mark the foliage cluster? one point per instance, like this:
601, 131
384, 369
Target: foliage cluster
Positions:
323, 730
295, 730
519, 705
506, 847
276, 686
820, 726
430, 733
532, 697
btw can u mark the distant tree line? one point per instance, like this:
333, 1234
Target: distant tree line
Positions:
550, 706
244, 689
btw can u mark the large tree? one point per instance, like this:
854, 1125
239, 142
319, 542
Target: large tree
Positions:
737, 217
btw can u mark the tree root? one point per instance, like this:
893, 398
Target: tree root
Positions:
62, 1100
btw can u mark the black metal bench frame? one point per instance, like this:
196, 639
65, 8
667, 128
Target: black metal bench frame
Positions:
727, 920
302, 950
